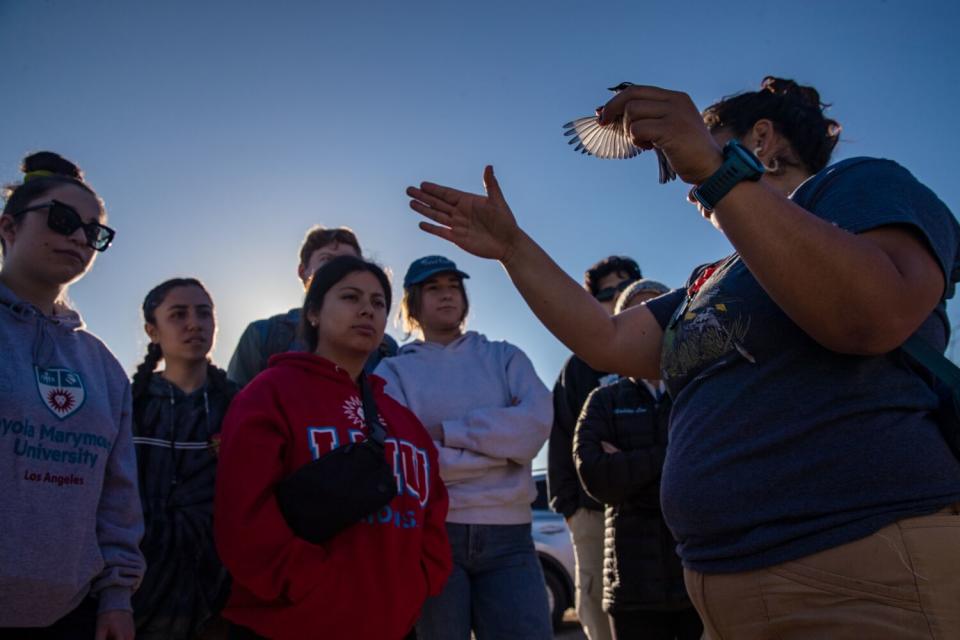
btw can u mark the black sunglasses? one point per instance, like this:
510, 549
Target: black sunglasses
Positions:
65, 220
609, 293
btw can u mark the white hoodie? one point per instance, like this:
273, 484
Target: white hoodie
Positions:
495, 415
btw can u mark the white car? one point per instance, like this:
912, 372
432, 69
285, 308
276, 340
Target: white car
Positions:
552, 540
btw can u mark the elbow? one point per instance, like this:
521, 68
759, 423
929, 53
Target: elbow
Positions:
866, 337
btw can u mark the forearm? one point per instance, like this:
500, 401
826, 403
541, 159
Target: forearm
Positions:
458, 465
843, 290
575, 318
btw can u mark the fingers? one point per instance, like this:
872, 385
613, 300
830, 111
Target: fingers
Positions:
492, 186
614, 108
645, 110
646, 134
448, 195
441, 232
429, 212
431, 201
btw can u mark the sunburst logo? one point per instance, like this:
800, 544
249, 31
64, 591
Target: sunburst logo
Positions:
60, 400
353, 408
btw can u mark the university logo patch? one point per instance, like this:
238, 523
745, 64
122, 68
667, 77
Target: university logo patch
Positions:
61, 390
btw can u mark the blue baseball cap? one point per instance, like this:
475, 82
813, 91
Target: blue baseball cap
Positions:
429, 266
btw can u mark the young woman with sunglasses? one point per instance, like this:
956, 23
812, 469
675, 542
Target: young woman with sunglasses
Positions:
489, 415
176, 427
69, 555
806, 479
370, 579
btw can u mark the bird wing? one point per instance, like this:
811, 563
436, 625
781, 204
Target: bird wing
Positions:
602, 141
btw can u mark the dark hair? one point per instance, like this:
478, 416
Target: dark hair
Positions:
610, 264
217, 378
42, 171
318, 237
324, 279
412, 303
795, 111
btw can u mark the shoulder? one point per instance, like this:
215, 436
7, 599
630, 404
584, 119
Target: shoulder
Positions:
875, 187
112, 368
222, 385
267, 384
500, 347
401, 419
389, 345
260, 328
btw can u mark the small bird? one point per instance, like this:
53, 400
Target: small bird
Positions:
610, 140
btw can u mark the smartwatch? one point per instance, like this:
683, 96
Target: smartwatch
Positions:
738, 165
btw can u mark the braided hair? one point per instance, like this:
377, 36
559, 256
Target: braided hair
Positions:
216, 377
795, 111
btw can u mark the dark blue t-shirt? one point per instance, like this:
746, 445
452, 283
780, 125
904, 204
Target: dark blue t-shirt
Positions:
779, 447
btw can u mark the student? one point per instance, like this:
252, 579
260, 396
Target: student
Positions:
584, 515
69, 554
489, 415
176, 426
277, 334
805, 455
371, 579
619, 447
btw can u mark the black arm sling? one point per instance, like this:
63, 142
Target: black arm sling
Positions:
341, 487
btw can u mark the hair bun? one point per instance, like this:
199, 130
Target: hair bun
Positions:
52, 162
790, 89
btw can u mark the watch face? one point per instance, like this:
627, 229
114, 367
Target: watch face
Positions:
734, 147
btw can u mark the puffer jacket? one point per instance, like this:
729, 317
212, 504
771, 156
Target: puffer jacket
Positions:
176, 437
641, 570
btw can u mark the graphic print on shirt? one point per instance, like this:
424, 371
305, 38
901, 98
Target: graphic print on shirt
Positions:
708, 328
61, 390
410, 463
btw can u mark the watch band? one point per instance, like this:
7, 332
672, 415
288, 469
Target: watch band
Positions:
738, 165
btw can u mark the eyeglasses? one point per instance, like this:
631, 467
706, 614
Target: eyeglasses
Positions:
64, 219
609, 293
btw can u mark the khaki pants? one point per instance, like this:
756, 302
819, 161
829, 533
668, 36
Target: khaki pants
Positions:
587, 532
902, 582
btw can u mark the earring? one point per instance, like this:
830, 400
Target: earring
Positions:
772, 168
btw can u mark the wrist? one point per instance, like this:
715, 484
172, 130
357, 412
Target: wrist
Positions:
710, 168
513, 248
738, 165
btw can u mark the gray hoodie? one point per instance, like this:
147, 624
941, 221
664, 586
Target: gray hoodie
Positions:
495, 415
70, 517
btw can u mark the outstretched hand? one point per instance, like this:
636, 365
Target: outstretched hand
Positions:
481, 225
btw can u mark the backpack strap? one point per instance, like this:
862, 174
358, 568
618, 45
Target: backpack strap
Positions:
935, 362
376, 432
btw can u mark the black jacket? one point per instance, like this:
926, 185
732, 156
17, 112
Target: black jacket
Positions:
176, 437
641, 570
575, 382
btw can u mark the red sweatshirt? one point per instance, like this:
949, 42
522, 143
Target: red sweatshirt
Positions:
368, 582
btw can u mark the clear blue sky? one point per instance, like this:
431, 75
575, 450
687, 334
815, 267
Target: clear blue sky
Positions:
217, 132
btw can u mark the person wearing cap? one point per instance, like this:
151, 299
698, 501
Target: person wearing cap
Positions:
488, 414
619, 448
605, 280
